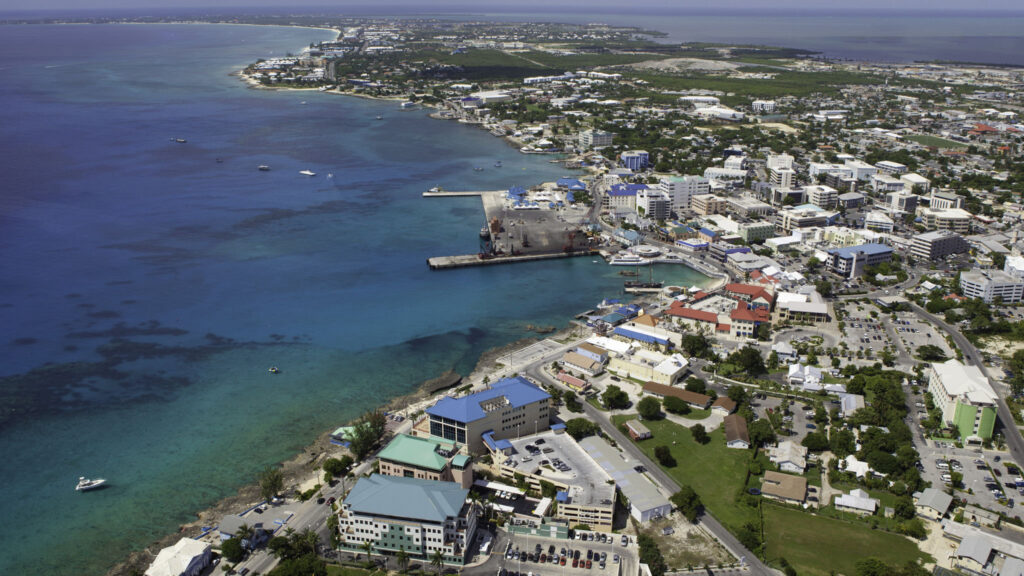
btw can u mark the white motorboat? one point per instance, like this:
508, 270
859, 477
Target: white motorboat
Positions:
307, 172
85, 484
628, 260
264, 168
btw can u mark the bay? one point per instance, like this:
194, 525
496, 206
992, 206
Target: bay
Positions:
146, 286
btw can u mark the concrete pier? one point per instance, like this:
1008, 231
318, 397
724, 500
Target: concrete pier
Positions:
458, 193
466, 260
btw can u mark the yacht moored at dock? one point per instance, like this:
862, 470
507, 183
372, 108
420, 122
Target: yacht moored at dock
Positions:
628, 260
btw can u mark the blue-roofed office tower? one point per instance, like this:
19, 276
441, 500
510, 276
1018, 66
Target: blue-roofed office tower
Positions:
851, 261
420, 516
509, 408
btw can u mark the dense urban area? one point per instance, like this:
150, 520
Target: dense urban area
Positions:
843, 394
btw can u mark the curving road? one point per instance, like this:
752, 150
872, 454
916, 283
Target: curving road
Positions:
1014, 442
756, 567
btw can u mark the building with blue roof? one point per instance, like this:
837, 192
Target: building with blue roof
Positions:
851, 261
509, 406
420, 516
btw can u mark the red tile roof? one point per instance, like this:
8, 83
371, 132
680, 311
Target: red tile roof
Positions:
749, 290
745, 313
984, 128
679, 310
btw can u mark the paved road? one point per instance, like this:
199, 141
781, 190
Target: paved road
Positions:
971, 356
757, 568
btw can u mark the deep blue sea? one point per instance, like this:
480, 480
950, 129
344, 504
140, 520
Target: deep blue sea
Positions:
145, 287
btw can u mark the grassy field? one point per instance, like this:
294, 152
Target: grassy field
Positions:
784, 83
935, 141
818, 546
713, 470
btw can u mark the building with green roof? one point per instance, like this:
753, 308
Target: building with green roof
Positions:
427, 459
398, 513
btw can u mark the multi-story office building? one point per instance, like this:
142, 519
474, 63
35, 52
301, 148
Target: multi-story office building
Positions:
681, 188
782, 177
419, 516
851, 261
822, 196
705, 204
877, 221
937, 244
945, 200
595, 139
754, 232
860, 170
955, 219
510, 407
427, 459
779, 161
965, 397
901, 202
916, 183
891, 168
654, 204
801, 217
885, 184
991, 284
635, 160
749, 207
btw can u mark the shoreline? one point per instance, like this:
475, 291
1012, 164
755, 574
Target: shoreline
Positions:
302, 470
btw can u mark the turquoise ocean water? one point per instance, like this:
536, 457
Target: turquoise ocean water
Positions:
145, 287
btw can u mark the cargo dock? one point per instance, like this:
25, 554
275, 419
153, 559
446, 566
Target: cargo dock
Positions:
466, 260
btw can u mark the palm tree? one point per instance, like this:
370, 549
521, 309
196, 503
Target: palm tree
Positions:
402, 559
437, 561
246, 534
368, 548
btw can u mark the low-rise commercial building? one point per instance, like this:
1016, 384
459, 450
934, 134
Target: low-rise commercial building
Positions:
932, 503
824, 197
965, 397
584, 494
705, 204
650, 366
427, 459
754, 232
410, 514
857, 501
644, 500
789, 457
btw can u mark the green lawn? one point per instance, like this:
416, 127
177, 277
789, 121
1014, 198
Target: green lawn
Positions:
335, 570
928, 140
715, 472
818, 546
596, 403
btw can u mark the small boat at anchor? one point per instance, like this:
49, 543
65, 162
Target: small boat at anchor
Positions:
307, 172
263, 168
274, 370
84, 484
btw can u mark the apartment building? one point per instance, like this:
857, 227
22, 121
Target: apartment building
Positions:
990, 285
965, 397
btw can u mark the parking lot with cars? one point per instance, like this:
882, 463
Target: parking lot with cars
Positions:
866, 334
916, 333
585, 553
986, 475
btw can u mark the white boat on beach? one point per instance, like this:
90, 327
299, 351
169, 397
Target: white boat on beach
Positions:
84, 484
307, 172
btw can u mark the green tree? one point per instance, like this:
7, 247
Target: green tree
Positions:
904, 507
649, 408
402, 559
271, 481
688, 502
695, 345
694, 384
737, 393
308, 565
700, 435
437, 561
675, 405
232, 550
749, 359
651, 555
580, 428
664, 456
367, 547
815, 442
336, 467
615, 398
761, 433
366, 433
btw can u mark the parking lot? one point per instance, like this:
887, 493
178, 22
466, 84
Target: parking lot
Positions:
864, 333
528, 554
915, 333
982, 474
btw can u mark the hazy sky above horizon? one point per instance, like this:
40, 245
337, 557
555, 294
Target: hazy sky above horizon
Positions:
421, 6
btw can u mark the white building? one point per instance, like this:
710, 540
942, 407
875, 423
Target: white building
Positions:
681, 189
789, 457
965, 397
916, 183
877, 221
781, 177
861, 170
822, 196
779, 161
595, 139
991, 284
187, 557
858, 502
884, 184
891, 168
646, 503
763, 106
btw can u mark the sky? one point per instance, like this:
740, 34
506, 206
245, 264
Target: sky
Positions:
981, 7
